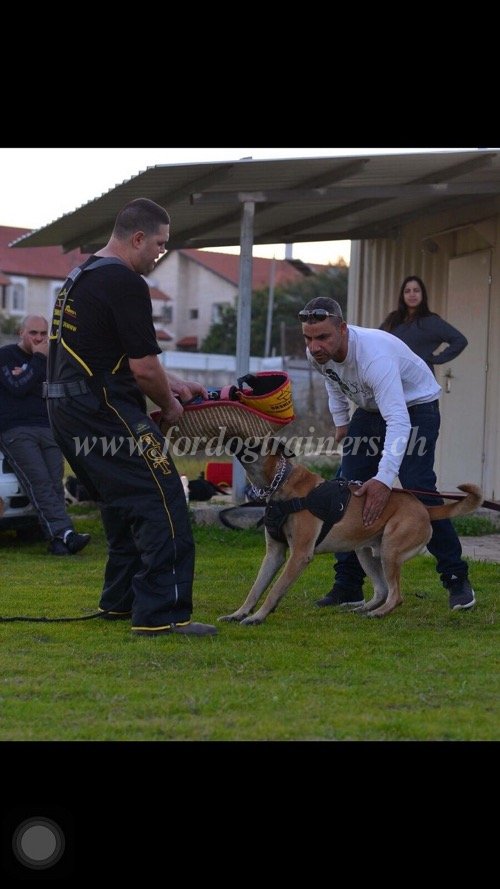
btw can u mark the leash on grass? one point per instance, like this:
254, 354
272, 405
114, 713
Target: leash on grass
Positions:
50, 620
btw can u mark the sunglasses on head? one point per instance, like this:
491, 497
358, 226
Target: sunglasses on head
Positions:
315, 315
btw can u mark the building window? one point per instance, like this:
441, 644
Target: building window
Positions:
216, 313
167, 315
193, 314
16, 298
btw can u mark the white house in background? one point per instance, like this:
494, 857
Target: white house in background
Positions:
161, 313
31, 278
188, 287
199, 283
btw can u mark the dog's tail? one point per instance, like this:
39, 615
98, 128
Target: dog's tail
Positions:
463, 506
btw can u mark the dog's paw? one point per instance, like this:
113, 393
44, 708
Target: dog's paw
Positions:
231, 618
369, 608
385, 609
252, 621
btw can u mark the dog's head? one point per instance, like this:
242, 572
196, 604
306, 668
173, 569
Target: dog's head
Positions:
260, 457
282, 446
257, 450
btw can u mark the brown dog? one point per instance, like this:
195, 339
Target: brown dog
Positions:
402, 531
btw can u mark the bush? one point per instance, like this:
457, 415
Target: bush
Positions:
9, 325
327, 469
474, 525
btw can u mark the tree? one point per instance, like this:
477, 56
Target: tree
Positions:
221, 338
288, 300
9, 324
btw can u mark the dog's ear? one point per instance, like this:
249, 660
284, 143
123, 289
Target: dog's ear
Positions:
234, 447
280, 446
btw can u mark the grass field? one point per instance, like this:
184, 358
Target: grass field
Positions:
423, 673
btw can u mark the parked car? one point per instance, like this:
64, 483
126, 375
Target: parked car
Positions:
18, 514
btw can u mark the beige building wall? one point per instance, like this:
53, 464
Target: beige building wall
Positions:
192, 288
492, 411
39, 295
425, 247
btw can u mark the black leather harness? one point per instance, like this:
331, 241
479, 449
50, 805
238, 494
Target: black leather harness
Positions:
328, 502
80, 386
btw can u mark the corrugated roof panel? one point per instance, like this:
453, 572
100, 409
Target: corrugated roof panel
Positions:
303, 199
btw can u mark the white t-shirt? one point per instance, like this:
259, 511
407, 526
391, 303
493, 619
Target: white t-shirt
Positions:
379, 373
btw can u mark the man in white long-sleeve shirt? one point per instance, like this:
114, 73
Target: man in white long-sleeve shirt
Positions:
392, 432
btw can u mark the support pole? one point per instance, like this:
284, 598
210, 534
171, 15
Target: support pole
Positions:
244, 318
270, 308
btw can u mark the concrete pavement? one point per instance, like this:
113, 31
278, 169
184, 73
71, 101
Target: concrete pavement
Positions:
482, 549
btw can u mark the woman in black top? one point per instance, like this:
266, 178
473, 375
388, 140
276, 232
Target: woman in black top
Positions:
422, 330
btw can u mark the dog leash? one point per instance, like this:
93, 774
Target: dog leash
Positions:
224, 513
48, 620
487, 504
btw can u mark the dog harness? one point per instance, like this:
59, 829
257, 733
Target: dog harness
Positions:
327, 502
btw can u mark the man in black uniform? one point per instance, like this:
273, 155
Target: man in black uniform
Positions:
103, 361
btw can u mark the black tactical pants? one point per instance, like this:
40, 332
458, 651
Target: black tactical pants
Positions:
117, 451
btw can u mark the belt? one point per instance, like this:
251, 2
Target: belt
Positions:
62, 390
433, 404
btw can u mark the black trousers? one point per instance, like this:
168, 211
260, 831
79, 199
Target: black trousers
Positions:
117, 451
38, 463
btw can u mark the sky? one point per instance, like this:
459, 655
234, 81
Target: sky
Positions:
38, 185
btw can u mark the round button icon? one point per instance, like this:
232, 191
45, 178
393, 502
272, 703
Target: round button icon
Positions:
38, 843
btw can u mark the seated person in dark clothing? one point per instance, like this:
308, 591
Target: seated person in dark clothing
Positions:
26, 438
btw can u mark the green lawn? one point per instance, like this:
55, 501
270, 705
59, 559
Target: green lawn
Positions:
422, 673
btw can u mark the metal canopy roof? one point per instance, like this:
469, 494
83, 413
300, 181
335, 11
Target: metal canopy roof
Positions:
303, 199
